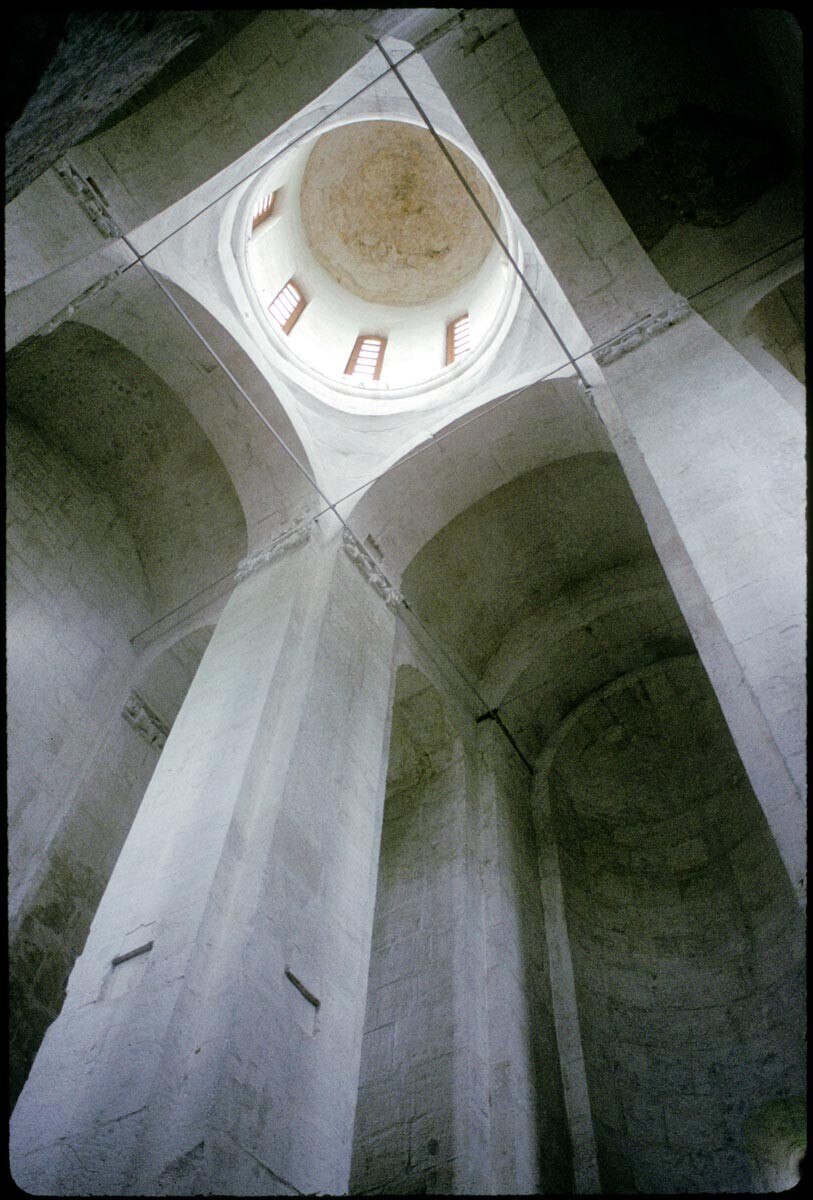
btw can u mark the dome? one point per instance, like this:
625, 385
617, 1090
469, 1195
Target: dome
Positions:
374, 273
387, 217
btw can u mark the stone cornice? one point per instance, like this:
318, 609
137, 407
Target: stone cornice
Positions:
282, 546
89, 197
67, 312
145, 720
371, 571
631, 339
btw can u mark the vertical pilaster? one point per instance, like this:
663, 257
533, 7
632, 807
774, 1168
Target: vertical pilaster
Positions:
211, 1035
473, 1168
529, 1128
423, 1115
563, 994
715, 458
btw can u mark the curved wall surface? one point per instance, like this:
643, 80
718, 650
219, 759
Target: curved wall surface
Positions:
682, 927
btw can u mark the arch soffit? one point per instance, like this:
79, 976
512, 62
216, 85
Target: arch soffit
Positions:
624, 638
534, 538
23, 434
162, 635
769, 284
273, 493
466, 460
731, 311
134, 439
525, 651
760, 318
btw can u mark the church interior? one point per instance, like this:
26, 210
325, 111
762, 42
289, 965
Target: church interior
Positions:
405, 490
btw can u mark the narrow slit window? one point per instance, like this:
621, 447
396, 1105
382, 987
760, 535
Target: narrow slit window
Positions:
458, 339
367, 358
262, 209
286, 307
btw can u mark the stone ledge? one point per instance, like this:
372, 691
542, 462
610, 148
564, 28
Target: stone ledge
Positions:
644, 331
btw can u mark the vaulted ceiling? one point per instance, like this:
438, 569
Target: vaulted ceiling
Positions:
97, 402
547, 589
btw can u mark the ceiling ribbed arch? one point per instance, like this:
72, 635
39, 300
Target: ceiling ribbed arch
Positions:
546, 589
468, 459
273, 491
101, 404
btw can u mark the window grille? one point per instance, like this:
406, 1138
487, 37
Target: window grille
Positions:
262, 209
367, 358
458, 339
286, 307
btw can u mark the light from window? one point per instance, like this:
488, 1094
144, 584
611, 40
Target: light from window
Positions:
367, 358
458, 339
262, 209
287, 305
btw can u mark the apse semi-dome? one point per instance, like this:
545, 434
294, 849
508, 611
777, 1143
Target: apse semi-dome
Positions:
373, 270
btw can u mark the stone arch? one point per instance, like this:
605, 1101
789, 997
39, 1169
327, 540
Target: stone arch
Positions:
525, 650
135, 438
777, 323
683, 930
765, 322
122, 508
180, 117
553, 545
467, 460
77, 592
273, 492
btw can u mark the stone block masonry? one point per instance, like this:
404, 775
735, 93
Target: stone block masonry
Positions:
350, 938
238, 747
459, 1067
670, 954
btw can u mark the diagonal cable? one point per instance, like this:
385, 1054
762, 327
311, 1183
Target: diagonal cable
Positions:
278, 154
481, 704
495, 232
436, 438
330, 505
